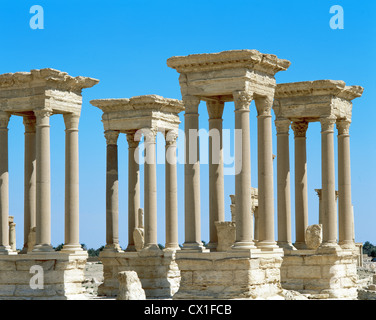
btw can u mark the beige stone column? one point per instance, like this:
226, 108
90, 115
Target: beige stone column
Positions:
244, 223
12, 234
112, 192
345, 215
192, 221
216, 178
72, 242
301, 189
283, 184
172, 241
43, 182
30, 178
150, 190
265, 173
328, 182
133, 187
4, 185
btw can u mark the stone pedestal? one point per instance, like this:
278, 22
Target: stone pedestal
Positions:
243, 274
157, 271
332, 275
61, 276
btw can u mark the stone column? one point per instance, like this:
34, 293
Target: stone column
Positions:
318, 191
30, 179
283, 184
244, 223
43, 182
345, 216
72, 242
265, 173
112, 192
328, 182
133, 187
216, 178
301, 190
192, 223
150, 190
172, 242
12, 234
4, 185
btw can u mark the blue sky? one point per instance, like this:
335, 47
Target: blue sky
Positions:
125, 44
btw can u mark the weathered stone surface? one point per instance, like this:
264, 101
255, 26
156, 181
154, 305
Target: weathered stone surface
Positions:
314, 236
226, 234
138, 237
130, 287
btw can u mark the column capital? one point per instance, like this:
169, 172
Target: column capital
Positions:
150, 134
171, 137
264, 106
215, 109
191, 104
71, 121
282, 126
111, 136
132, 143
242, 99
43, 116
4, 119
327, 123
299, 128
343, 127
29, 123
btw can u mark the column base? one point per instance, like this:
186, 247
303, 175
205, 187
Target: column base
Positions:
194, 247
114, 247
300, 245
72, 248
130, 248
172, 247
286, 245
212, 246
42, 248
267, 245
6, 250
243, 245
347, 245
329, 247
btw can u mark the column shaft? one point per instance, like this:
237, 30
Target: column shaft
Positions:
43, 182
345, 214
244, 224
216, 178
4, 185
283, 184
301, 190
265, 173
328, 182
150, 191
30, 179
171, 193
112, 192
133, 187
192, 223
72, 242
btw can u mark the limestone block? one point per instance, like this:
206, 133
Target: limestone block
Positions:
6, 265
314, 236
130, 287
213, 277
7, 290
374, 279
304, 272
138, 237
226, 234
31, 239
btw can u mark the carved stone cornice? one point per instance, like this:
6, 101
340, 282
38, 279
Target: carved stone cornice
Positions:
242, 100
215, 109
282, 126
327, 124
111, 137
343, 127
300, 129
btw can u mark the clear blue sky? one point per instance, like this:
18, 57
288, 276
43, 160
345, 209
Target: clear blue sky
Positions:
125, 44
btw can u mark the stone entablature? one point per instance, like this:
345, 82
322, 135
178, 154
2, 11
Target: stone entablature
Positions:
311, 100
220, 74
